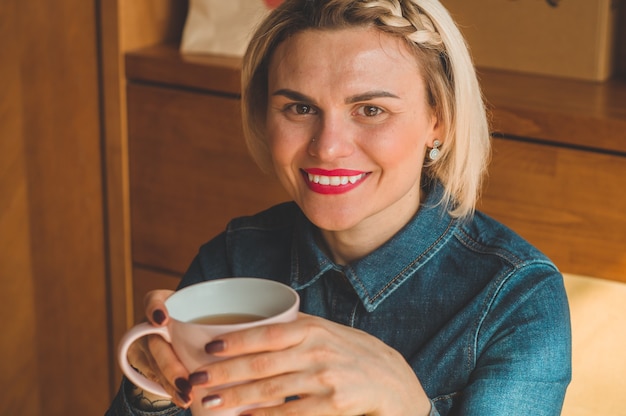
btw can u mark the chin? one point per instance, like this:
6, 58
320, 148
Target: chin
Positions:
332, 219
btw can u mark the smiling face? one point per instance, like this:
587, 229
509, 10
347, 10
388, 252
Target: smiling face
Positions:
348, 124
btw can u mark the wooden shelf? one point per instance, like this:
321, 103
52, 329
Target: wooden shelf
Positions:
570, 112
164, 64
584, 114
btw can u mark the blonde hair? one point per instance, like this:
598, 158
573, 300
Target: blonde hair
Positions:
447, 68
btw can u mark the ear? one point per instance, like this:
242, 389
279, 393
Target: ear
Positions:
437, 131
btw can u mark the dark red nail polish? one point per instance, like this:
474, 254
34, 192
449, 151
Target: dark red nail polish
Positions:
182, 385
214, 346
184, 397
158, 316
201, 377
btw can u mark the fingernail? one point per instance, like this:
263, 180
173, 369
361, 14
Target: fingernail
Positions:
211, 401
158, 316
184, 397
214, 346
182, 385
200, 377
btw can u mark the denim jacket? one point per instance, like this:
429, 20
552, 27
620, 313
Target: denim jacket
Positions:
479, 314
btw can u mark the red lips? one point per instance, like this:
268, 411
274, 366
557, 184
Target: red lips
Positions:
333, 182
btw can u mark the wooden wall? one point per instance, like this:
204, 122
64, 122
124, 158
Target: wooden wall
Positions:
18, 347
63, 206
63, 196
55, 356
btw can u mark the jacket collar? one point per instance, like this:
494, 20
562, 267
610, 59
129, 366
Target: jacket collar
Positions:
377, 275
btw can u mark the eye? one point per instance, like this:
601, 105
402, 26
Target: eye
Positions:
300, 109
370, 111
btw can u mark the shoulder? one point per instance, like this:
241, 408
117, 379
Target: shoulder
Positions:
260, 245
526, 281
516, 269
255, 246
488, 236
524, 310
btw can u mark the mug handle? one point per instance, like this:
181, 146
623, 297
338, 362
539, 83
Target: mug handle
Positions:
139, 380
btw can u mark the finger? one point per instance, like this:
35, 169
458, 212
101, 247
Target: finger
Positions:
306, 398
248, 367
141, 360
154, 303
138, 358
272, 337
272, 390
308, 406
168, 370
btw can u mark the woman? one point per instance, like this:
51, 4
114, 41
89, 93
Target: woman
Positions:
370, 114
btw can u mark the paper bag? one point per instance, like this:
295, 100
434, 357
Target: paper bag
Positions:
222, 27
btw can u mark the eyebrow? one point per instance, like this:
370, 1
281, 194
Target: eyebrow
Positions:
367, 96
292, 95
370, 95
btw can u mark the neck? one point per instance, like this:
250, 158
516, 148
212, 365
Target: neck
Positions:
349, 245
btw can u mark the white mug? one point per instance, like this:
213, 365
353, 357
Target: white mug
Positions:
218, 300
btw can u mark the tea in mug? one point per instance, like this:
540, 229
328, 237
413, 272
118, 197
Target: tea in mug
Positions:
227, 319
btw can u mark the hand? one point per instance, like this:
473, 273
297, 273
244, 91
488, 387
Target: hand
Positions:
334, 369
155, 359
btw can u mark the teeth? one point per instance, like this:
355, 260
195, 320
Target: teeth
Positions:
335, 180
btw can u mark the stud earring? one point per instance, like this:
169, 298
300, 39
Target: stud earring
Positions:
434, 152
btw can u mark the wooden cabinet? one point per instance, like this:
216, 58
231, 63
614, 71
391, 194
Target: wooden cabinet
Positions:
556, 177
559, 168
54, 343
190, 171
568, 202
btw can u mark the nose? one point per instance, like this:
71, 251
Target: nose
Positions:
333, 138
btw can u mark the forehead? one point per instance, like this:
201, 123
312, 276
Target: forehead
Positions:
356, 55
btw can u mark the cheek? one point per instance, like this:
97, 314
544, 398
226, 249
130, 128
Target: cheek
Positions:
275, 137
286, 138
399, 145
284, 144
